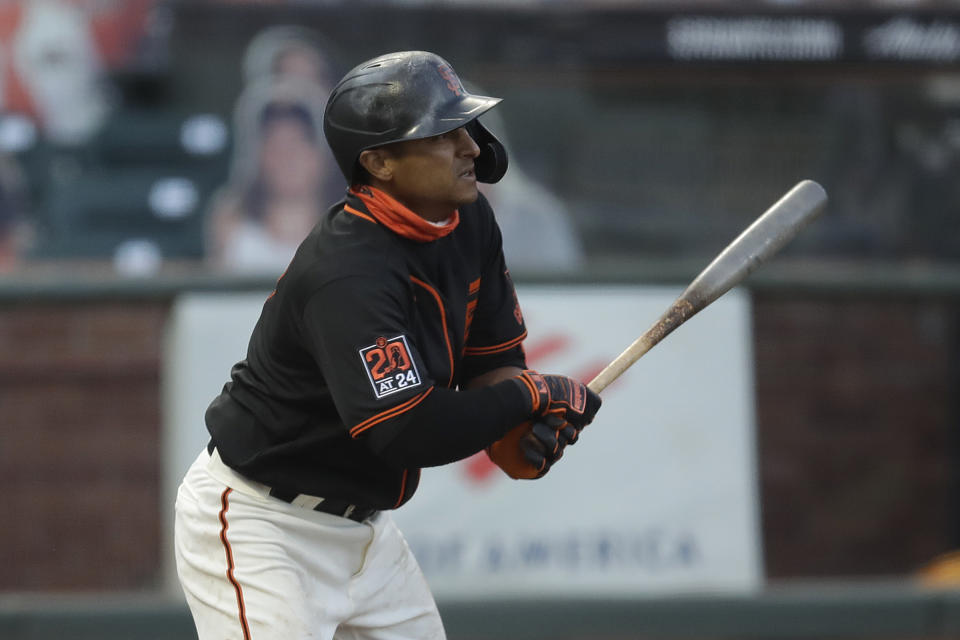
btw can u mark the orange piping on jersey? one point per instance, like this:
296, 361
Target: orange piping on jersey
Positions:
359, 214
496, 348
403, 488
468, 320
474, 286
443, 320
278, 282
389, 413
225, 505
399, 218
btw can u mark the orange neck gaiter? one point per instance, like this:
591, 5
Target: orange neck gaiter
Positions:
400, 219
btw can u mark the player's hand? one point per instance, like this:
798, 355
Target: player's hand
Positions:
560, 396
560, 408
545, 443
530, 449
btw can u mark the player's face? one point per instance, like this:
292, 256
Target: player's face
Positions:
434, 176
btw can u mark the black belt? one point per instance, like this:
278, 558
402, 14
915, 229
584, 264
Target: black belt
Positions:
332, 506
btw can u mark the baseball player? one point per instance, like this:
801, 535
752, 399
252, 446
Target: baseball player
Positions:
391, 343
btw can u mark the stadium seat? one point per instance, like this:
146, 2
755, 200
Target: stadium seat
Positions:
103, 211
142, 181
150, 137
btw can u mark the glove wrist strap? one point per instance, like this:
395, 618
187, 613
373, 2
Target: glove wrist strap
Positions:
538, 389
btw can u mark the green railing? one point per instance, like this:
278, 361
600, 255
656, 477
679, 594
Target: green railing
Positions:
781, 275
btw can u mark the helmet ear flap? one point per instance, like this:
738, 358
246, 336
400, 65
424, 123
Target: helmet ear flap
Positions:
491, 164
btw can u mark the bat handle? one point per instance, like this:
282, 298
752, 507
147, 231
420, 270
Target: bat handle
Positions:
620, 364
677, 314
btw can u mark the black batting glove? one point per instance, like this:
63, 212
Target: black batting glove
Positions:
558, 395
545, 443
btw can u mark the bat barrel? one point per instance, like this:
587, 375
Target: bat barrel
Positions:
778, 225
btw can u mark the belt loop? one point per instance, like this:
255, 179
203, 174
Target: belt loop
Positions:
306, 502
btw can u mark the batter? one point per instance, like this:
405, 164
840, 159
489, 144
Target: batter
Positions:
392, 342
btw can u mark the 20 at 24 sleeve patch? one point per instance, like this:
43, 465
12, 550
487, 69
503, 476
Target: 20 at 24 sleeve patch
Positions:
389, 366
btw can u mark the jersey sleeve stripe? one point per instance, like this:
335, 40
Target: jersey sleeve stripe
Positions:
392, 412
357, 213
443, 320
496, 348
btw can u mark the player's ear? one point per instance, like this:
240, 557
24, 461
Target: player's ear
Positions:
378, 163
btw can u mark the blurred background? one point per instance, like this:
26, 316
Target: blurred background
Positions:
154, 153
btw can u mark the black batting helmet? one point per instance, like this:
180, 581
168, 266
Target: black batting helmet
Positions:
406, 95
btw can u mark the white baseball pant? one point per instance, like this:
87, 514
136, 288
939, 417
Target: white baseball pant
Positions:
253, 567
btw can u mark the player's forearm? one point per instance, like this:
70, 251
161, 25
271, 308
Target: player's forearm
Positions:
452, 425
492, 377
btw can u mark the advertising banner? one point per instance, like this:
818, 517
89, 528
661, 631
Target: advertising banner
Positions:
659, 494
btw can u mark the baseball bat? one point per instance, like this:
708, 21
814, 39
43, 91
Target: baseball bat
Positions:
777, 226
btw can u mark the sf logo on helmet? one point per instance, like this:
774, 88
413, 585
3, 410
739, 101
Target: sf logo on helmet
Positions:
453, 82
389, 366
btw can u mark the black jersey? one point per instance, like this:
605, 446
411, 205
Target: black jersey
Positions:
363, 326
